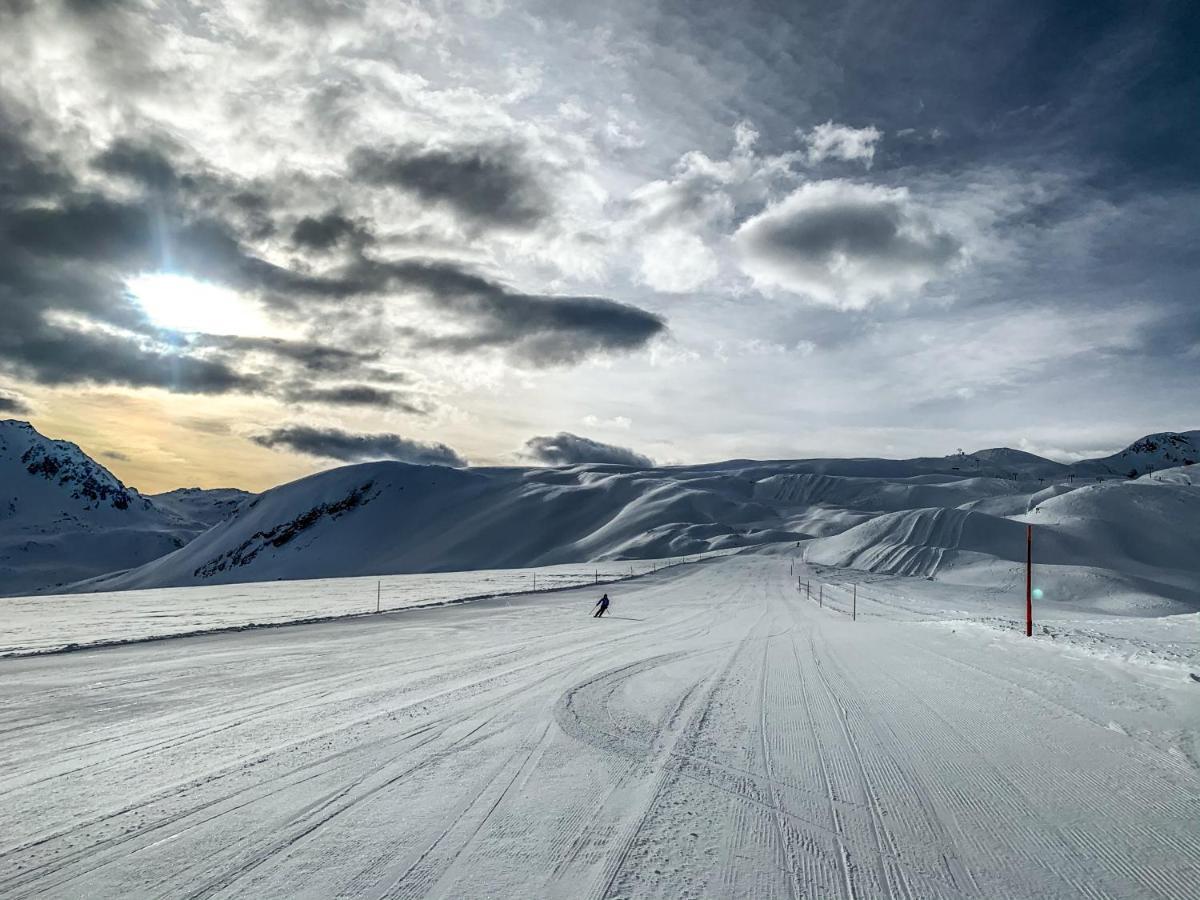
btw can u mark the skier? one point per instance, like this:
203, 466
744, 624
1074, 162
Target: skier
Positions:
601, 606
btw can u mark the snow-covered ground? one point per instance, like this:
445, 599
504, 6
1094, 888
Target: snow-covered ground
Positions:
719, 735
42, 623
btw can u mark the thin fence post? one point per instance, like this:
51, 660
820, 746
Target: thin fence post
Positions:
378, 594
821, 597
1028, 581
535, 581
854, 605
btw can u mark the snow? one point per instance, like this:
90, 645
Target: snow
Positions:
1104, 539
64, 517
43, 623
720, 735
206, 506
1120, 544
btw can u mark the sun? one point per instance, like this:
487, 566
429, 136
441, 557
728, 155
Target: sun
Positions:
180, 303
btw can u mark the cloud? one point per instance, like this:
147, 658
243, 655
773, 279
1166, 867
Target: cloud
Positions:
832, 141
310, 355
333, 443
488, 184
52, 355
141, 162
566, 449
356, 395
541, 330
675, 261
845, 244
13, 405
622, 422
328, 231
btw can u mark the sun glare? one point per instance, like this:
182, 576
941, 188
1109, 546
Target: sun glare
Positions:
180, 303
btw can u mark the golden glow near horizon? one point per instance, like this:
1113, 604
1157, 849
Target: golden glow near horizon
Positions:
181, 303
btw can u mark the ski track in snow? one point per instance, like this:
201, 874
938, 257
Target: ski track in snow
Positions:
718, 736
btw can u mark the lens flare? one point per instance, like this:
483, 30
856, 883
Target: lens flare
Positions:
1037, 594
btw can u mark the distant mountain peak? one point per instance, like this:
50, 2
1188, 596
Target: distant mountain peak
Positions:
66, 465
1161, 450
1167, 443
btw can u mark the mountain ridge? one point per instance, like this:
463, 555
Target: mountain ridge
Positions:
390, 517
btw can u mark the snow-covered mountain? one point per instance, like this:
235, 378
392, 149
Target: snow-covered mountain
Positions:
205, 506
387, 517
955, 518
1165, 450
64, 517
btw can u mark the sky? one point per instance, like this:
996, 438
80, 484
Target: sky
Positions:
244, 241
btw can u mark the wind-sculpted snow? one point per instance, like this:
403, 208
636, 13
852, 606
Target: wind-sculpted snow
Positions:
431, 518
960, 517
719, 735
877, 494
286, 532
919, 542
1143, 534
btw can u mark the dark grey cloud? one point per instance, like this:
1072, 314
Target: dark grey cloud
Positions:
65, 252
873, 230
66, 259
333, 443
312, 356
490, 185
58, 356
357, 395
25, 171
330, 230
115, 454
140, 161
71, 255
13, 405
541, 330
845, 243
566, 449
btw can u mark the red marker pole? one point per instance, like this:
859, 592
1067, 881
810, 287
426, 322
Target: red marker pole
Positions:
1028, 581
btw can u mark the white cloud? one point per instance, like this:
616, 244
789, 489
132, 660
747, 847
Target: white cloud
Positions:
675, 262
833, 141
624, 423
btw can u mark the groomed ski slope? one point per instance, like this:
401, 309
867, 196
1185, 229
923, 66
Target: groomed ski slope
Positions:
719, 735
